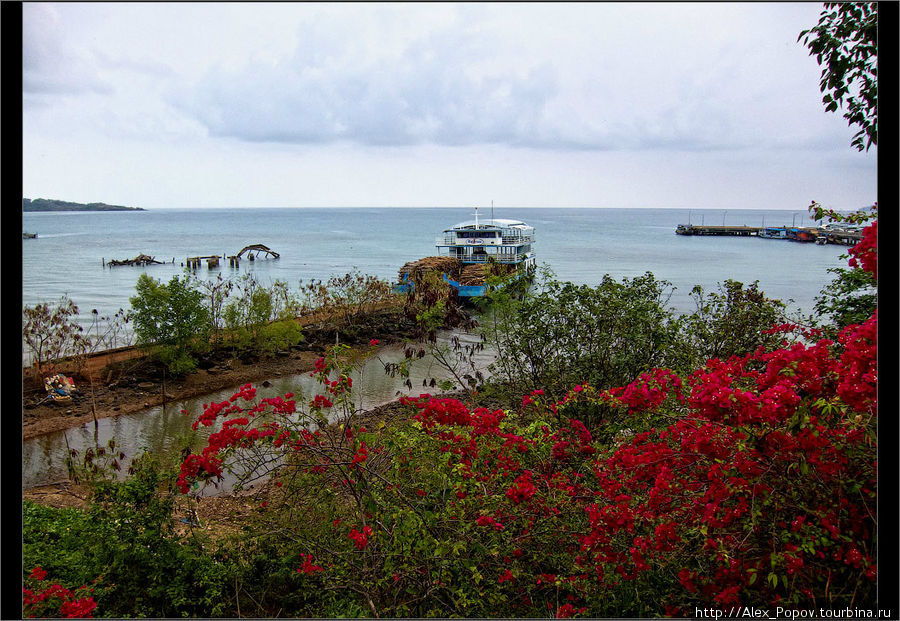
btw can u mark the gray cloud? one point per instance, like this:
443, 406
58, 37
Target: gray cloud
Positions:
49, 65
434, 92
459, 85
627, 104
580, 77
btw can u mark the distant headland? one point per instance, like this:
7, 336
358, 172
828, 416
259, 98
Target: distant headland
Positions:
47, 204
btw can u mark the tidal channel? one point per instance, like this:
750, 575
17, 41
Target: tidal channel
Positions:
165, 430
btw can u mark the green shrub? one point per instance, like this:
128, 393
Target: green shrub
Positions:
172, 320
569, 334
124, 544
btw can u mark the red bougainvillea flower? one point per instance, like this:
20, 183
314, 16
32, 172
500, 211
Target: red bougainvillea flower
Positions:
865, 253
361, 539
567, 611
308, 567
362, 453
522, 488
38, 574
78, 608
320, 401
487, 520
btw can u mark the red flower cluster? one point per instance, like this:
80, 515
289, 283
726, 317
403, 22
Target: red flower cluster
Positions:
70, 606
649, 390
361, 539
308, 567
522, 489
865, 253
319, 402
567, 611
247, 393
362, 453
487, 520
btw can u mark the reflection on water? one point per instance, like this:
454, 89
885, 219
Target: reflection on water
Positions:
163, 430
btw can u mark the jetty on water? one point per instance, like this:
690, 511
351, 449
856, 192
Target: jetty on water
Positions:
141, 259
234, 260
791, 233
253, 252
212, 261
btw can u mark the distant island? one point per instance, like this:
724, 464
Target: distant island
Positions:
46, 204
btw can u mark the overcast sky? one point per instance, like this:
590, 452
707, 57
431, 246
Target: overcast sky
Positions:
694, 105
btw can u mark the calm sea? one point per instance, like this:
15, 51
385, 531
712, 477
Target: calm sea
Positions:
579, 245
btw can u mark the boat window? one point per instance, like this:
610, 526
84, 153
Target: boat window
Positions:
474, 234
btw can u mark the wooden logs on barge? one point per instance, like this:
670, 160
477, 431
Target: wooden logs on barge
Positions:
468, 275
478, 273
451, 266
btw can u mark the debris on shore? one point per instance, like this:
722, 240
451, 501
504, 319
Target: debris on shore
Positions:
141, 260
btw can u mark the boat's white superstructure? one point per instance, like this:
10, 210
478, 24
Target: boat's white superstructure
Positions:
471, 245
498, 239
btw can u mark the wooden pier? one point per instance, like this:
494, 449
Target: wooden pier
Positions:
211, 261
693, 229
791, 233
235, 260
844, 238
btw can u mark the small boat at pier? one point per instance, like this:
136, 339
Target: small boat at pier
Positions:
773, 232
801, 235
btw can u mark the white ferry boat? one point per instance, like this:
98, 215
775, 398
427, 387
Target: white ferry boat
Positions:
493, 240
478, 241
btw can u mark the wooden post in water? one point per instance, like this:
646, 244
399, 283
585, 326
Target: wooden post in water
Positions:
93, 401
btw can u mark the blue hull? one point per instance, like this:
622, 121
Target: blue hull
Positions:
463, 291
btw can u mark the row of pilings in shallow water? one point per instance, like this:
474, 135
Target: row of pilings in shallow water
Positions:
212, 261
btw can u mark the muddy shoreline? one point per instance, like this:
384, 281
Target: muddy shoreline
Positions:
139, 383
145, 391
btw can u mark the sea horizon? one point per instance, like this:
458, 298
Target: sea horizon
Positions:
580, 245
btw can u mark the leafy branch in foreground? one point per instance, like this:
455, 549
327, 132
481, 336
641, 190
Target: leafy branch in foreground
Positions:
845, 43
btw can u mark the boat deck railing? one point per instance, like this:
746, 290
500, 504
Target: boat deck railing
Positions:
497, 258
506, 240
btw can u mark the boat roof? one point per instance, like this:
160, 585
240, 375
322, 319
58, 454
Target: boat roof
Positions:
487, 223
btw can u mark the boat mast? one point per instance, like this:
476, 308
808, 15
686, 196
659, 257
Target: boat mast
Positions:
476, 218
